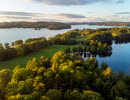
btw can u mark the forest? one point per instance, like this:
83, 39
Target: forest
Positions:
63, 77
66, 76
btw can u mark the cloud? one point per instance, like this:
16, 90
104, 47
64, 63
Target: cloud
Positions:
26, 14
69, 2
39, 16
121, 1
59, 17
123, 13
116, 17
17, 13
76, 2
14, 17
72, 15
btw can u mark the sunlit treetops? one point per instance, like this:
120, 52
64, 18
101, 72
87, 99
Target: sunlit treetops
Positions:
107, 72
63, 77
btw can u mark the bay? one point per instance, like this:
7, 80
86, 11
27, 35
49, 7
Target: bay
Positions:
119, 61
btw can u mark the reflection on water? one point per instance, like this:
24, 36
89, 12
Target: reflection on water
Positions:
88, 55
118, 59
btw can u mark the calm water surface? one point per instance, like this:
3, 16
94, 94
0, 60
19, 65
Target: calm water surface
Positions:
12, 34
119, 60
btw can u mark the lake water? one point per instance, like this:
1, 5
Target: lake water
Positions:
12, 34
119, 60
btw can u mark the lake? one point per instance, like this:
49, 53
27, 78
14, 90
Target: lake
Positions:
118, 61
12, 34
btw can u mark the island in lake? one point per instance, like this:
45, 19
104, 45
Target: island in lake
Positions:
36, 25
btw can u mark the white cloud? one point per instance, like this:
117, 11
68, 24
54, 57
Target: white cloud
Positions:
69, 2
75, 2
60, 17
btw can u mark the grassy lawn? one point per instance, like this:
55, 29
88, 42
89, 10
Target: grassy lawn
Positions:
80, 38
48, 52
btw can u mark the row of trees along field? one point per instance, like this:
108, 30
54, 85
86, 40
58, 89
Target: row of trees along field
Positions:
20, 47
63, 77
98, 41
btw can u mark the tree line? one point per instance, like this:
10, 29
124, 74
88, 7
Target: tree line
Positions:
110, 23
21, 48
40, 24
102, 50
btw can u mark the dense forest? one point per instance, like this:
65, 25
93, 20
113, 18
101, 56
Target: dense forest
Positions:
66, 76
48, 25
63, 77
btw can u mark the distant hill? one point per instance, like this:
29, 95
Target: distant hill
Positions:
102, 23
77, 23
110, 23
48, 25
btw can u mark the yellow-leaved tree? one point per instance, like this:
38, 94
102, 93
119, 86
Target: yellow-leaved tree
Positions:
107, 72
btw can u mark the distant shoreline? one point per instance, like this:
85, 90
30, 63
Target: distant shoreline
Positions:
36, 25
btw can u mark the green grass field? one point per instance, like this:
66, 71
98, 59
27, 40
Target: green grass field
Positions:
22, 61
80, 38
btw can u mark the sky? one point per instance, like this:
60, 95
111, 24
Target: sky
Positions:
65, 10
